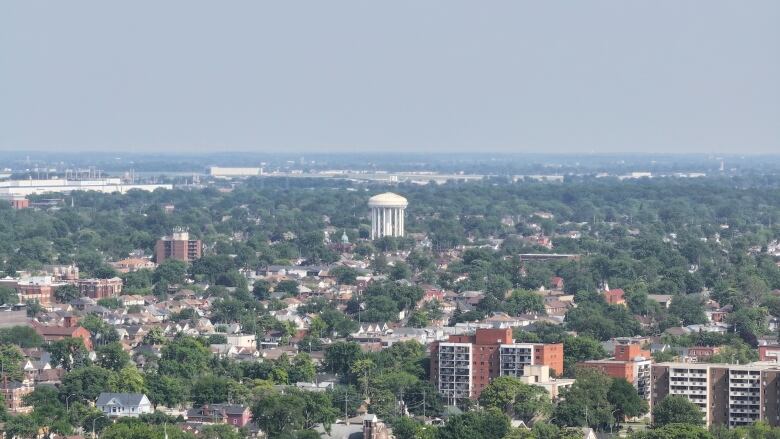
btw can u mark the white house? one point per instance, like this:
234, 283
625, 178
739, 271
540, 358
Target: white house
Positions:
117, 405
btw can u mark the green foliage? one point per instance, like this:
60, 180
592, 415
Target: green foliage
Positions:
626, 401
486, 424
517, 399
129, 428
676, 431
8, 296
586, 402
340, 356
11, 358
676, 410
66, 293
112, 356
70, 353
294, 410
184, 357
166, 390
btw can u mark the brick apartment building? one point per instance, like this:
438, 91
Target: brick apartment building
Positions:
178, 246
37, 289
630, 362
13, 394
464, 365
728, 394
100, 288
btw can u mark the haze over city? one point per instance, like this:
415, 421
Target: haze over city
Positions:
438, 219
349, 76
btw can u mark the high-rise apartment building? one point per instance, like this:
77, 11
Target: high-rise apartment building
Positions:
178, 246
464, 365
727, 394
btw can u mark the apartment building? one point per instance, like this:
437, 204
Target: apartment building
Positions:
727, 394
100, 288
464, 365
38, 289
630, 362
178, 246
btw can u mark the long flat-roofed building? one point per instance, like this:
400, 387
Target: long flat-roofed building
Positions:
15, 189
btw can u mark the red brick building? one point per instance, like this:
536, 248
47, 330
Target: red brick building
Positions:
100, 288
615, 297
464, 365
770, 352
178, 246
630, 362
70, 329
37, 289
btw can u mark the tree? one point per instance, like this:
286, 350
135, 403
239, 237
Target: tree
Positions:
184, 357
170, 272
22, 336
295, 410
344, 275
362, 368
750, 323
261, 289
70, 353
408, 428
675, 409
317, 326
220, 431
340, 356
578, 349
287, 286
625, 400
66, 293
154, 336
689, 309
418, 319
11, 361
86, 383
400, 271
484, 424
112, 356
22, 427
517, 399
136, 429
677, 431
128, 380
165, 390
8, 296
523, 302
585, 403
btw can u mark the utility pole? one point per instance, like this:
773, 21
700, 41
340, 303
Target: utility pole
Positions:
346, 416
424, 417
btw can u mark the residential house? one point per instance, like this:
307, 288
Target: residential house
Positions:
233, 414
118, 405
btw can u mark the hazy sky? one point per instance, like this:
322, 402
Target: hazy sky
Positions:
418, 75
